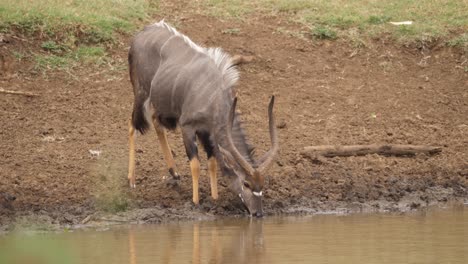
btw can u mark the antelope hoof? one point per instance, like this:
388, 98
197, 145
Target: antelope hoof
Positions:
132, 183
195, 197
172, 183
173, 179
174, 174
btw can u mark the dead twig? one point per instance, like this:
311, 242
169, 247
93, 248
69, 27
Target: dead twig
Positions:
240, 59
359, 150
103, 219
29, 94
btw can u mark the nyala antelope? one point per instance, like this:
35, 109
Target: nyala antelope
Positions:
178, 83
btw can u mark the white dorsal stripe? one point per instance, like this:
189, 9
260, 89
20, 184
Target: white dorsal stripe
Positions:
177, 33
222, 60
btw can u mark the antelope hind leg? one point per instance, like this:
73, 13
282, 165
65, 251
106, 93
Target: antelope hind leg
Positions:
131, 155
166, 149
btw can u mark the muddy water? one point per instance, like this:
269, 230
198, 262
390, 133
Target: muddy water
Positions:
425, 237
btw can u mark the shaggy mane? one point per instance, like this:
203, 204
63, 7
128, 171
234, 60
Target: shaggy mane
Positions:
222, 59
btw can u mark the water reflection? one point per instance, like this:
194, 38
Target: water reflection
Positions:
416, 238
434, 237
235, 241
246, 244
131, 246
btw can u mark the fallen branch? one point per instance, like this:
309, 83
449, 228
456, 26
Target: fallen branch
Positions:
359, 150
18, 92
103, 219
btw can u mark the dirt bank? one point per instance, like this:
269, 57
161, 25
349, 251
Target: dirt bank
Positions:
328, 92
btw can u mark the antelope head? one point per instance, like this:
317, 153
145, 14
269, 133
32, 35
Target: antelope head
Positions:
249, 178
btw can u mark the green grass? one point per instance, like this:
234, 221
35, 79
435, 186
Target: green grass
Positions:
19, 55
322, 32
110, 192
73, 30
92, 54
51, 62
432, 19
110, 187
231, 31
460, 41
53, 46
229, 8
58, 57
92, 21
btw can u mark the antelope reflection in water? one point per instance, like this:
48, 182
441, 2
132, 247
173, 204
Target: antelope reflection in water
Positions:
239, 242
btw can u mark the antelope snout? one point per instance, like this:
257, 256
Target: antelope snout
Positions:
258, 214
257, 206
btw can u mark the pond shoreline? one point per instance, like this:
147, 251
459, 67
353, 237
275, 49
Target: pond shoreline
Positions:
44, 221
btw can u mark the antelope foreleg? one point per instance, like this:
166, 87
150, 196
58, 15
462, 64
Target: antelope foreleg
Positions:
195, 169
212, 168
196, 244
191, 148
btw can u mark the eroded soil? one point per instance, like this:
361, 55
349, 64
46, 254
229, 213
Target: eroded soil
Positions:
328, 93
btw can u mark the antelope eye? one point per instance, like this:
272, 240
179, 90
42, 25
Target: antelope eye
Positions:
247, 184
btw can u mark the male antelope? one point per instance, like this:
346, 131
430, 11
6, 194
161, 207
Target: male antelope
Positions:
178, 83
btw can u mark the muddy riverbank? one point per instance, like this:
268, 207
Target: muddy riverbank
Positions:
328, 93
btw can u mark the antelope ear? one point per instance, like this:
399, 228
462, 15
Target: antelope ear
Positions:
228, 159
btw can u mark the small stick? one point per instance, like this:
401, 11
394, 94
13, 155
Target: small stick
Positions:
359, 150
29, 94
111, 220
240, 59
